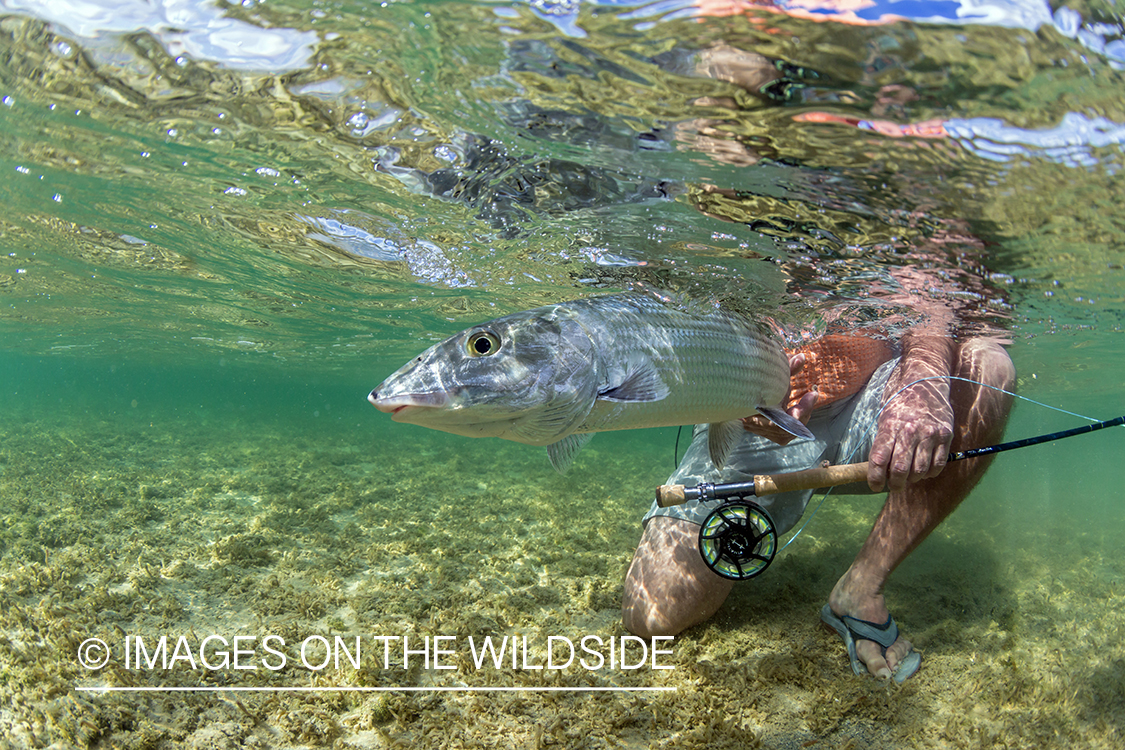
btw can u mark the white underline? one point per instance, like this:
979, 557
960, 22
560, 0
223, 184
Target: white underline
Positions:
374, 689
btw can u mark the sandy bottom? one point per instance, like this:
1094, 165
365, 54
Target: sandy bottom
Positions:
127, 532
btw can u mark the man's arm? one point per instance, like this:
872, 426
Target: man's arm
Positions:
915, 428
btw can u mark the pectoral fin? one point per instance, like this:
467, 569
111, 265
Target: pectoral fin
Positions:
640, 383
785, 421
563, 452
722, 437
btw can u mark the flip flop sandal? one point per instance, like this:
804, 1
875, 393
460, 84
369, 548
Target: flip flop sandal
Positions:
852, 629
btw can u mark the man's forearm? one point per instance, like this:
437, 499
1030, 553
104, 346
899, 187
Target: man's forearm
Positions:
927, 356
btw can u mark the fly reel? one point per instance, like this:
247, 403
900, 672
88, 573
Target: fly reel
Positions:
737, 540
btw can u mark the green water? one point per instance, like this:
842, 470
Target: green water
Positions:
213, 251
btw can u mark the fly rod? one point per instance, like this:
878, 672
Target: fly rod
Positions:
833, 476
738, 540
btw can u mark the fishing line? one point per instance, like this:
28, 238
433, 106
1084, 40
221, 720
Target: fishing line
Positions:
738, 539
896, 394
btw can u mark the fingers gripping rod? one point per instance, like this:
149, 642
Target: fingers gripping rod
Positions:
738, 539
832, 476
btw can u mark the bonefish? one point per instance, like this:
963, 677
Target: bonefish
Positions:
557, 374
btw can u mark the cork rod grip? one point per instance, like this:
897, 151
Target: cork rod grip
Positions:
810, 479
770, 484
668, 495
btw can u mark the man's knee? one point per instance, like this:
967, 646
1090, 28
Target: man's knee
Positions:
982, 400
642, 617
985, 361
668, 587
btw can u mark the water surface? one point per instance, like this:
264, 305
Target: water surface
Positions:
224, 224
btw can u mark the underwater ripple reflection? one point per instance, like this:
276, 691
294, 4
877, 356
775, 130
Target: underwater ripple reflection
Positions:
224, 222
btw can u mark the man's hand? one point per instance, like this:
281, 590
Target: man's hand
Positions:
801, 411
916, 427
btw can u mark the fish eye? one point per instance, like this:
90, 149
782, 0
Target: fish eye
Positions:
482, 344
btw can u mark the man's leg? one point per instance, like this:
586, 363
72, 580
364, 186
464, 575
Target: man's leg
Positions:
668, 587
909, 515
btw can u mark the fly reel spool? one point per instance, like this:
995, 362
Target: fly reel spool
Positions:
737, 540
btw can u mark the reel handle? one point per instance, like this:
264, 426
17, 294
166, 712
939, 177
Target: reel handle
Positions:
771, 484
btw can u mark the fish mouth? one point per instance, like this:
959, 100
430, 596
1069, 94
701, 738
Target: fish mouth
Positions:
400, 406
